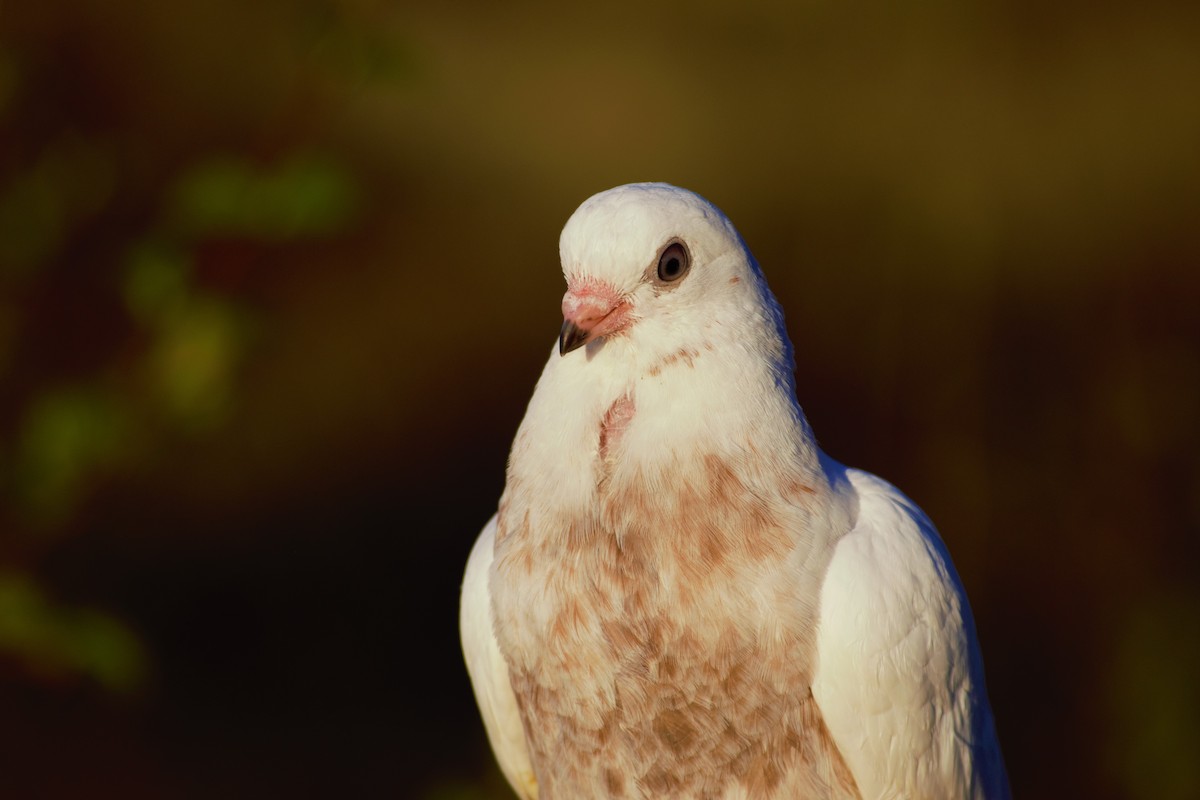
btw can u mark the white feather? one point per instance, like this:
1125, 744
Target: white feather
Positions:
489, 675
899, 675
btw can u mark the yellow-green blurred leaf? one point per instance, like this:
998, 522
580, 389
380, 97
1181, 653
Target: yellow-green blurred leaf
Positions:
229, 196
63, 641
71, 179
192, 366
64, 435
155, 284
31, 221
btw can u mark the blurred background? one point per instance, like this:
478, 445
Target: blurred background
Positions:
277, 278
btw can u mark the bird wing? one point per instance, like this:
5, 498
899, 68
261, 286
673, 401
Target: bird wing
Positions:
899, 675
488, 671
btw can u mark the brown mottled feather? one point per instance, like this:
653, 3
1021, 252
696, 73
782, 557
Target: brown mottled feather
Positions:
667, 697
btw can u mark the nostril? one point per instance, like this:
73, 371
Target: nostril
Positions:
589, 301
589, 317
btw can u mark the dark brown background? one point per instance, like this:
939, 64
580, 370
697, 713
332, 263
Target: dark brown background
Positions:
278, 277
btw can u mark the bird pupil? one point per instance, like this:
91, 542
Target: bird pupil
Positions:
673, 263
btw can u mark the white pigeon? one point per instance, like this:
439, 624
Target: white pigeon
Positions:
680, 594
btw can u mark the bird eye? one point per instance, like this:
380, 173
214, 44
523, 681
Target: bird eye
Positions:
674, 262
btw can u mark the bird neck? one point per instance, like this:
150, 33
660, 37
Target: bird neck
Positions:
717, 410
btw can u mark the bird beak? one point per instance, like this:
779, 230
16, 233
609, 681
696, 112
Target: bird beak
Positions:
571, 337
591, 310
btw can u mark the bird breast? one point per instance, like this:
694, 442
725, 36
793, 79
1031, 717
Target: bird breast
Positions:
660, 637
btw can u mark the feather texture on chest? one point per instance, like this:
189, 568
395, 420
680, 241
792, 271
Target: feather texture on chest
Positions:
640, 626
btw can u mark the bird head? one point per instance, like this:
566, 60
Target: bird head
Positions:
653, 264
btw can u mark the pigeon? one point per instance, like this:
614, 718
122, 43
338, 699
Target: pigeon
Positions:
680, 595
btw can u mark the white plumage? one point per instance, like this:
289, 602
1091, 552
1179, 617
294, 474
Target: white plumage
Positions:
681, 595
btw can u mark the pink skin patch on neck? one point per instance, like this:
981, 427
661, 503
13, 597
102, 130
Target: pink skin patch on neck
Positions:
614, 423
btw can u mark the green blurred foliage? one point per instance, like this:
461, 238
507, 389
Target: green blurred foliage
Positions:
39, 204
192, 364
67, 642
178, 376
305, 196
198, 339
65, 436
156, 283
